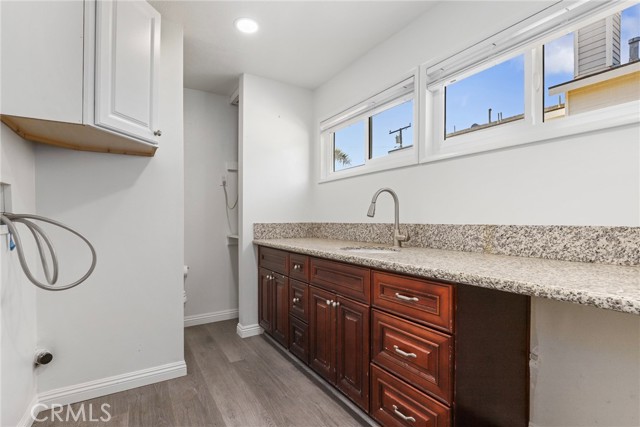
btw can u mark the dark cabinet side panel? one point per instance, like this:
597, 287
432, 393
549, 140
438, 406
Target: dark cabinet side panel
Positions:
265, 298
492, 358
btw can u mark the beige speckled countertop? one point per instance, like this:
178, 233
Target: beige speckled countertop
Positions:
605, 286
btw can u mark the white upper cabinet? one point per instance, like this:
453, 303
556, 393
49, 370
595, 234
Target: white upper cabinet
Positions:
127, 60
42, 60
82, 75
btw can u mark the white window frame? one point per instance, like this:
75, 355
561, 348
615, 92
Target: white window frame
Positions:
392, 96
528, 38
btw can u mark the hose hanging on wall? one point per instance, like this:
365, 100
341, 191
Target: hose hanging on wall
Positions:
226, 200
39, 235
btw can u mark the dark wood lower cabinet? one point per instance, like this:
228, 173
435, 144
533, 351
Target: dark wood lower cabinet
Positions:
352, 350
339, 343
280, 329
396, 403
409, 351
322, 337
299, 338
273, 308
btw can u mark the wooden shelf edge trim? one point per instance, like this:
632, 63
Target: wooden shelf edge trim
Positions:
57, 143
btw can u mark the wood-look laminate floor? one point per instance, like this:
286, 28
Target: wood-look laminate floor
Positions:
231, 382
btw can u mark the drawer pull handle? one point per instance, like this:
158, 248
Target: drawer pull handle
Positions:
401, 415
406, 298
403, 353
297, 266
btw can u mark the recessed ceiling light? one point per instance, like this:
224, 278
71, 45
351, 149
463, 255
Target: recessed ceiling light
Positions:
246, 25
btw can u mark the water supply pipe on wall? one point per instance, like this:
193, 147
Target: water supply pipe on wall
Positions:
51, 275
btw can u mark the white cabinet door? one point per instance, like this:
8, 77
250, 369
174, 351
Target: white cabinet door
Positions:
42, 59
127, 67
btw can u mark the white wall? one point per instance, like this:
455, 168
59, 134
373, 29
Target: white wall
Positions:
588, 372
128, 316
17, 294
586, 180
210, 140
275, 137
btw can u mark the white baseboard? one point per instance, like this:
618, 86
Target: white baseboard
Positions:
248, 331
27, 420
201, 319
105, 386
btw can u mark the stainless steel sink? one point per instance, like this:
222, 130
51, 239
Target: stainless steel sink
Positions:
371, 250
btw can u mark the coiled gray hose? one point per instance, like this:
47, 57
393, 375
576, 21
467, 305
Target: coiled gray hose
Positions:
39, 235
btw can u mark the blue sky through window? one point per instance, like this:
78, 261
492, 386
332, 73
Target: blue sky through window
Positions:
500, 88
389, 120
558, 66
630, 29
350, 141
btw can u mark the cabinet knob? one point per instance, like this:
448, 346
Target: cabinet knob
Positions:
335, 303
329, 302
296, 300
158, 133
297, 267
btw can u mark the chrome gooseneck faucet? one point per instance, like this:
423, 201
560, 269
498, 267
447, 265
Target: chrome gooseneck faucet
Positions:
398, 238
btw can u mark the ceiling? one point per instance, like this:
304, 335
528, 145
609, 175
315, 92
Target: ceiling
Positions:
303, 43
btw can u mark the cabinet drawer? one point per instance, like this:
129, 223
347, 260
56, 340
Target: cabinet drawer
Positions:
417, 354
273, 259
423, 301
299, 267
396, 403
299, 339
345, 279
299, 300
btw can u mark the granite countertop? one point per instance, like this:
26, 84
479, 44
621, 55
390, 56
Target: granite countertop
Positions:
605, 286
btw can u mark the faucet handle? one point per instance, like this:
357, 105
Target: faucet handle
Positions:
403, 237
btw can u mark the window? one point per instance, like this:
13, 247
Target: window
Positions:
574, 70
591, 68
348, 151
374, 135
391, 130
489, 98
569, 69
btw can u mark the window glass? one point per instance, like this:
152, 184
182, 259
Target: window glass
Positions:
391, 130
586, 70
348, 146
489, 98
558, 68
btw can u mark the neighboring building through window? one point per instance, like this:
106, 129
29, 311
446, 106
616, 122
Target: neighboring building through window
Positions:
594, 67
535, 82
